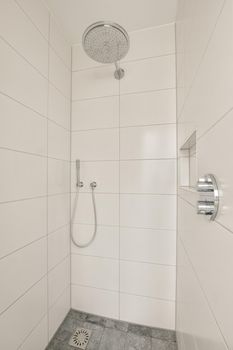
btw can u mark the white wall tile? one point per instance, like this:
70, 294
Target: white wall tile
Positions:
21, 81
95, 272
148, 176
148, 142
23, 176
95, 145
147, 311
22, 223
95, 301
33, 308
30, 260
96, 82
155, 281
58, 176
38, 339
59, 107
153, 246
38, 13
58, 281
148, 211
58, 211
58, 142
58, 246
59, 42
105, 244
95, 113
108, 209
157, 107
152, 74
21, 128
58, 312
149, 42
106, 174
20, 33
59, 74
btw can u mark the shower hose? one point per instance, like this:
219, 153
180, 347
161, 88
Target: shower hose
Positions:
84, 245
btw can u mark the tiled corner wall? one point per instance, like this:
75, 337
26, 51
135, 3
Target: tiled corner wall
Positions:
125, 135
205, 90
35, 79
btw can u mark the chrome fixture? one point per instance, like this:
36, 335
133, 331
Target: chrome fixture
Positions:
79, 184
106, 42
209, 203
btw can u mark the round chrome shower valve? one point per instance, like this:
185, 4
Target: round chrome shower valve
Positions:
209, 203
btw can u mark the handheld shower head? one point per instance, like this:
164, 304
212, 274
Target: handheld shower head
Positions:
78, 182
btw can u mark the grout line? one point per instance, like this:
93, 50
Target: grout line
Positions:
124, 127
119, 196
128, 193
125, 62
57, 299
121, 160
123, 94
70, 175
122, 292
122, 259
127, 227
59, 263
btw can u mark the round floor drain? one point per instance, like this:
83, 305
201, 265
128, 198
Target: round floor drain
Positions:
80, 338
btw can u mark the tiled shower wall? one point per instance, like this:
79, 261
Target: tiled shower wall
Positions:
34, 188
205, 90
125, 135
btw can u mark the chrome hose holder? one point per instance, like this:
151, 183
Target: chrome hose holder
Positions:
209, 202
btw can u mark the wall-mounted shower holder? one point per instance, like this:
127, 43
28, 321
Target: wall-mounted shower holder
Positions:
209, 203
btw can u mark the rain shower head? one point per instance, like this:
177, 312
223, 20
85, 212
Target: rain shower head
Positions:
106, 42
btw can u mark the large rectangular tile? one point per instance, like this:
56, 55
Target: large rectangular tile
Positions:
17, 29
22, 176
59, 74
21, 81
58, 246
195, 321
38, 13
91, 145
147, 311
58, 142
148, 176
148, 142
153, 246
95, 272
95, 113
147, 108
38, 338
149, 74
96, 82
58, 211
149, 42
22, 223
59, 107
58, 312
21, 128
59, 42
95, 301
19, 271
58, 176
33, 306
105, 244
106, 175
155, 281
148, 211
58, 281
108, 209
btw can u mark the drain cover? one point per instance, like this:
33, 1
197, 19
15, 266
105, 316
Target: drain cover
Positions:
80, 338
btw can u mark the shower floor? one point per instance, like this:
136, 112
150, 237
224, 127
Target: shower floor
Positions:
107, 334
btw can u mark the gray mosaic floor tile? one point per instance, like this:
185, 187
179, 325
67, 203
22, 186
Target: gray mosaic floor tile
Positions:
96, 319
70, 324
158, 344
137, 342
163, 334
140, 330
78, 315
114, 324
112, 339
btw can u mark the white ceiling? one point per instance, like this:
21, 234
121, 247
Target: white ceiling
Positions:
76, 15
